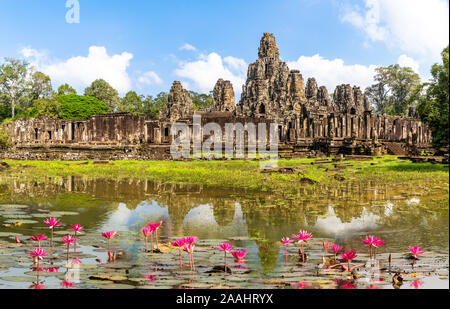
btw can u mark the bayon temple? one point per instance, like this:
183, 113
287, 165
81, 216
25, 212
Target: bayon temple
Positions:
310, 122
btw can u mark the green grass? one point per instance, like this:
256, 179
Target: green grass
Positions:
233, 174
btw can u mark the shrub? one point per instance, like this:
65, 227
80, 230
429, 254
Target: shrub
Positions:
4, 137
81, 107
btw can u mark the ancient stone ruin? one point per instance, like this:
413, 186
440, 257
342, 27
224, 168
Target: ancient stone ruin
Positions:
223, 94
309, 121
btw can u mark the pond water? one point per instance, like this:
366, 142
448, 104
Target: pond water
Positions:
401, 215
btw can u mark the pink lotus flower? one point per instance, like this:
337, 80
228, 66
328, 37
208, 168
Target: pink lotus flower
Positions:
191, 240
348, 256
38, 239
109, 235
155, 227
335, 248
373, 244
67, 284
226, 248
416, 251
370, 240
179, 243
302, 237
190, 250
76, 228
148, 231
239, 255
37, 286
416, 284
52, 223
286, 241
348, 286
150, 278
39, 253
76, 261
326, 245
68, 239
379, 242
301, 285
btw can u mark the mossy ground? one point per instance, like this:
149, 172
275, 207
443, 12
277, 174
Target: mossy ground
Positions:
235, 174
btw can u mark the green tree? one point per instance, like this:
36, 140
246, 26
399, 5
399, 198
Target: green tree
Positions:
40, 86
103, 91
434, 107
405, 88
66, 89
378, 93
200, 101
81, 107
47, 107
13, 81
5, 107
397, 89
4, 137
131, 103
152, 106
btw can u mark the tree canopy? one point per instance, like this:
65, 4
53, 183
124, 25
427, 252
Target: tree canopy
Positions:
13, 81
80, 107
103, 91
397, 89
201, 100
66, 89
433, 108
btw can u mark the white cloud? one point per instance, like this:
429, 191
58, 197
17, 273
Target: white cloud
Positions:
81, 71
415, 26
150, 78
28, 52
405, 61
204, 72
188, 46
331, 73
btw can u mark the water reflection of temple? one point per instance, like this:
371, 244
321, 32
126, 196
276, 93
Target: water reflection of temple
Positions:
216, 214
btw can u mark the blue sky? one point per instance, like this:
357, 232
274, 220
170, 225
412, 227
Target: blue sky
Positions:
146, 45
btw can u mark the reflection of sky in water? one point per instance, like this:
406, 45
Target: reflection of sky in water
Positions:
199, 219
124, 219
388, 209
202, 220
332, 225
413, 201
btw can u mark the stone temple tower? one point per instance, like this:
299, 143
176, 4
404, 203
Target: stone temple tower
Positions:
271, 89
223, 95
179, 105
